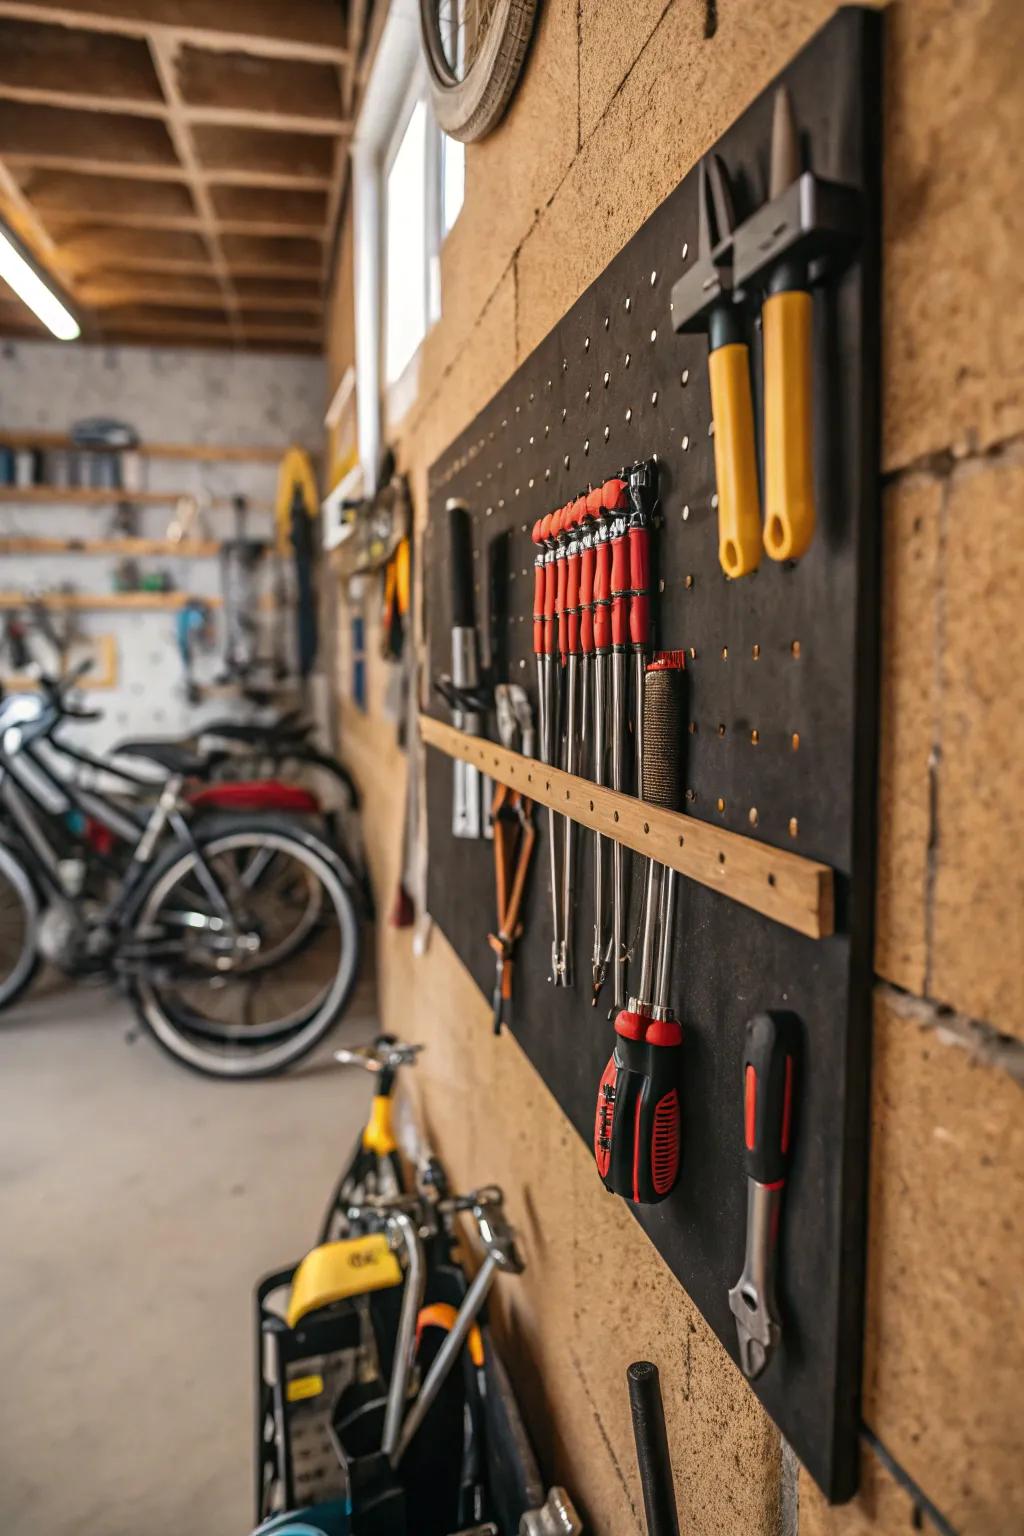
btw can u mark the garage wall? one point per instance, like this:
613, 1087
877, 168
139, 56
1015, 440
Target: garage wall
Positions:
170, 395
618, 102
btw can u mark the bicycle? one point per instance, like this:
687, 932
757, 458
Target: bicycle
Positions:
236, 936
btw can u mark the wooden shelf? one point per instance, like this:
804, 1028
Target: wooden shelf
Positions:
200, 453
84, 496
83, 601
187, 548
790, 889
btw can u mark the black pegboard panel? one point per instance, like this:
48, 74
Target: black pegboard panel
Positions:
782, 690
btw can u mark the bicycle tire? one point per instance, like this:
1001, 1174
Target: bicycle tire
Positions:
469, 108
283, 1050
14, 873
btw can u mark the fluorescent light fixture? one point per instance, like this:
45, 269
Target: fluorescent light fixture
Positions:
31, 290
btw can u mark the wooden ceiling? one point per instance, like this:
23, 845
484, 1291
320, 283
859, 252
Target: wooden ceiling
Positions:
178, 165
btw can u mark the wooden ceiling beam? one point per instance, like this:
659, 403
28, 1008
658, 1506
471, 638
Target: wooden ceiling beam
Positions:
230, 117
226, 176
302, 29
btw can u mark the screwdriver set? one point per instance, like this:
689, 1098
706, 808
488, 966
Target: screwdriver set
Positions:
661, 541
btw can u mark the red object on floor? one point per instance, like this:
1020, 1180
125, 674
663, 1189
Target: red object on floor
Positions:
255, 795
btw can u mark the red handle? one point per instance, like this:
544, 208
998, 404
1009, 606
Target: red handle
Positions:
769, 1082
561, 583
572, 602
550, 591
640, 581
620, 587
614, 496
602, 594
538, 592
588, 560
637, 1122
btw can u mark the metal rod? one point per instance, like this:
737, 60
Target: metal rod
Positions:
618, 863
565, 968
405, 1344
600, 671
448, 1353
667, 922
652, 912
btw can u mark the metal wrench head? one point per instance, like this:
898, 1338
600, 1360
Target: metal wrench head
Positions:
496, 1232
752, 1298
519, 701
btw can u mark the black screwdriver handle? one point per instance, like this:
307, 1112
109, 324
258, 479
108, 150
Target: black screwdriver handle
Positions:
460, 565
770, 1053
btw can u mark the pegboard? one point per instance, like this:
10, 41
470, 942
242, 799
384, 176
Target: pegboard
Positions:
781, 746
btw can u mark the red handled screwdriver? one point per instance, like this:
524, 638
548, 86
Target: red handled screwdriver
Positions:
571, 515
770, 1054
549, 715
637, 1122
615, 500
642, 496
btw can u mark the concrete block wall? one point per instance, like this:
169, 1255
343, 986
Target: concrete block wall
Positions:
618, 102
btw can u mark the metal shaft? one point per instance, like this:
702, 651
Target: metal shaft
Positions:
565, 970
600, 675
548, 740
412, 1301
652, 1451
639, 663
648, 946
666, 924
618, 862
449, 1351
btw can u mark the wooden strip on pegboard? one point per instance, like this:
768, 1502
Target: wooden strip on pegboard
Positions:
786, 887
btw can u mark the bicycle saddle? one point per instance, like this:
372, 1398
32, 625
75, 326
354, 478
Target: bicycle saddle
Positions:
172, 755
256, 735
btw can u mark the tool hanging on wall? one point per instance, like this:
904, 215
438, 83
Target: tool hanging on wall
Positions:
240, 557
514, 837
575, 712
295, 510
616, 505
769, 1087
467, 712
636, 1127
193, 632
652, 1453
549, 712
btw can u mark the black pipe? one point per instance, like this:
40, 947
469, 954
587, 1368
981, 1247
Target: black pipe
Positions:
652, 1449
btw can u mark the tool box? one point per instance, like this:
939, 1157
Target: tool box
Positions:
777, 626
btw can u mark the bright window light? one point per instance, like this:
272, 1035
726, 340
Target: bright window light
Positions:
406, 235
453, 189
31, 290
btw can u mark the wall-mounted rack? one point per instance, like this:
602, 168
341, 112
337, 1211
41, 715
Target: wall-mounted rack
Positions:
788, 888
193, 549
208, 453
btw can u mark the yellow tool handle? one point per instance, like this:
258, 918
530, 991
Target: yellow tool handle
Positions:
739, 505
788, 462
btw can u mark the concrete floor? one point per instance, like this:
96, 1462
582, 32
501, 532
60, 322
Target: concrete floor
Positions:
139, 1204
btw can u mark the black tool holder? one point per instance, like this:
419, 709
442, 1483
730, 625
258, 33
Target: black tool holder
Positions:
782, 701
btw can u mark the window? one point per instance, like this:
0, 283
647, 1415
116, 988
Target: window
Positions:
453, 180
406, 261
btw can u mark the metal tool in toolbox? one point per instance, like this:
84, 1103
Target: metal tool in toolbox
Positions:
468, 802
769, 1088
804, 228
514, 837
636, 1127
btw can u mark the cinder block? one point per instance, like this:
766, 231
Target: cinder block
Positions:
978, 916
911, 513
881, 1505
944, 1346
953, 222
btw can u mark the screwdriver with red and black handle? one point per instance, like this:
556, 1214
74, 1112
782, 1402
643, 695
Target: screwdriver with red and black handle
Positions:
642, 498
615, 500
637, 1120
770, 1055
574, 711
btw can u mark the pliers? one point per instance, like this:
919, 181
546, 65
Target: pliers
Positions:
514, 837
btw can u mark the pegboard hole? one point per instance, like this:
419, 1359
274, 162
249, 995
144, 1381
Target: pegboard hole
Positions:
629, 304
605, 380
654, 333
794, 826
794, 741
547, 785
607, 433
565, 412
684, 377
686, 514
714, 502
586, 397
607, 321
586, 446
495, 762
771, 879
647, 826
629, 414
721, 856
755, 651
721, 728
685, 251
682, 841
654, 278
626, 360
685, 445
567, 794
654, 397
752, 815
721, 806
586, 344
565, 461
795, 648
725, 653
688, 581
615, 815
693, 653
591, 805
755, 737
529, 778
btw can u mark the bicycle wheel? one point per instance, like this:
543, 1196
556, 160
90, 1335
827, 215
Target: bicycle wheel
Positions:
474, 54
19, 927
223, 985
